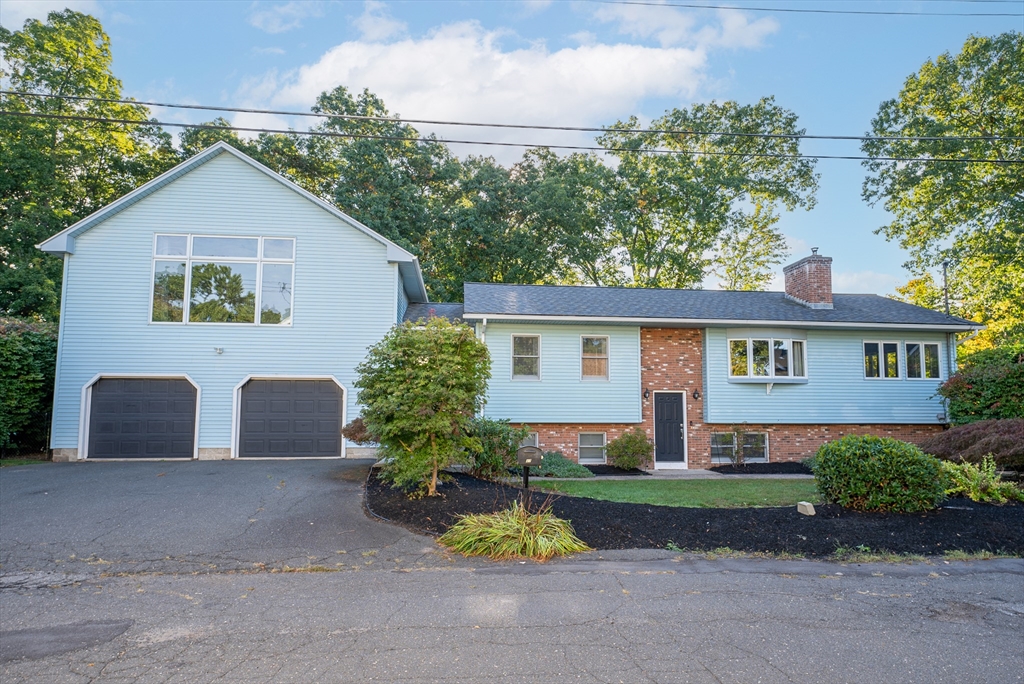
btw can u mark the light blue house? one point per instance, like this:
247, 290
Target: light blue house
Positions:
220, 311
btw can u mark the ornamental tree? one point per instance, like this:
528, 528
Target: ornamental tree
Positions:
420, 388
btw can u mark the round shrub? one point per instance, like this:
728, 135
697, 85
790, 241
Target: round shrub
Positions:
630, 450
868, 473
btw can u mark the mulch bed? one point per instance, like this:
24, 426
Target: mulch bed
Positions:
960, 525
612, 470
763, 469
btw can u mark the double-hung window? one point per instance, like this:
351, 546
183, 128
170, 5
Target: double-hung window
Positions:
767, 358
223, 279
922, 360
592, 447
526, 357
594, 358
882, 360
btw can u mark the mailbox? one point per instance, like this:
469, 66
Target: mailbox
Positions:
529, 456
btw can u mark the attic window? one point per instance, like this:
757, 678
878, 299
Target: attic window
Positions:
227, 279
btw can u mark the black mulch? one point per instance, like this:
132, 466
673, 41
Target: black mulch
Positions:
960, 525
763, 469
612, 470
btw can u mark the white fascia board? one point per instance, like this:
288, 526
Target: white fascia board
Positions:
714, 322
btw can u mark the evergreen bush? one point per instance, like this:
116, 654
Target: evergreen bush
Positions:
630, 450
498, 442
868, 473
988, 385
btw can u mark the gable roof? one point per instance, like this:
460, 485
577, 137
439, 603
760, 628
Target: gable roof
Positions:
64, 241
694, 308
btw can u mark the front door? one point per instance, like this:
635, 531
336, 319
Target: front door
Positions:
669, 424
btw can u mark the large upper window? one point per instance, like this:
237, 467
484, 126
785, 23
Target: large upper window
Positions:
767, 358
222, 279
922, 360
882, 360
526, 357
594, 359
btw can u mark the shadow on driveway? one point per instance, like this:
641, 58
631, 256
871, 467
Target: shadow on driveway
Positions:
205, 516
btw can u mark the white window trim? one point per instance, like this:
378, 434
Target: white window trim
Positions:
188, 259
608, 357
767, 445
771, 377
86, 410
900, 362
512, 359
579, 446
236, 413
906, 356
533, 438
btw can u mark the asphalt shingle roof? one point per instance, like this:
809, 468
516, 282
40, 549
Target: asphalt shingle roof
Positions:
482, 299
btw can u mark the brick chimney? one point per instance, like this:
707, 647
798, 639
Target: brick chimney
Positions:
809, 281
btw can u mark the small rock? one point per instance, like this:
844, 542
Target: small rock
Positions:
805, 507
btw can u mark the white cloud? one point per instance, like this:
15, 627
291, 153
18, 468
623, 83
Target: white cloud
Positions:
281, 18
376, 23
13, 13
673, 26
861, 282
268, 51
461, 72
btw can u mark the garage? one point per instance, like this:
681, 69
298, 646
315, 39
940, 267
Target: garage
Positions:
142, 418
290, 418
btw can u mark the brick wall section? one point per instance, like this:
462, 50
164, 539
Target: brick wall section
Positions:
810, 279
670, 360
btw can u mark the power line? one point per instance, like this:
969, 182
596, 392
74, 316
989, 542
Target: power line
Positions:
437, 122
795, 10
447, 141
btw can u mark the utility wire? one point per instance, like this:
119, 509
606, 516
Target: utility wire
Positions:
334, 134
796, 10
435, 122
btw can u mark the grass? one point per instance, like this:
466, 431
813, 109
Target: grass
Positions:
513, 533
4, 462
743, 493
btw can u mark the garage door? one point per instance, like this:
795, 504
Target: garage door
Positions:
142, 418
283, 418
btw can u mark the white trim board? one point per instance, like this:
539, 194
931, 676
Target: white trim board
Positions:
671, 465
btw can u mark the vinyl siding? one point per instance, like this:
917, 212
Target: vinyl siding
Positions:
560, 396
836, 390
343, 297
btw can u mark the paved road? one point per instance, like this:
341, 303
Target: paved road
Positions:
396, 610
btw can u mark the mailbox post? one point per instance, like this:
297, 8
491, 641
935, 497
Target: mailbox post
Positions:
528, 456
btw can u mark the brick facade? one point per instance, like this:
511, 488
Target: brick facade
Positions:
671, 360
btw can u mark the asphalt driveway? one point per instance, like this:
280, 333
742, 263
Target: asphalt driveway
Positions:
84, 518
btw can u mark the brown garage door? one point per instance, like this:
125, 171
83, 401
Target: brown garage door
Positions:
142, 418
290, 418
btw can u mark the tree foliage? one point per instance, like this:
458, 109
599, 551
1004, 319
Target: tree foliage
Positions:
969, 214
57, 171
28, 352
420, 388
989, 384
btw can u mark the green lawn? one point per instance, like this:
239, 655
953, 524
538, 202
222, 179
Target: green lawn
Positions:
739, 493
19, 461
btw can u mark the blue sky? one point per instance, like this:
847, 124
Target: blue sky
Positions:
561, 63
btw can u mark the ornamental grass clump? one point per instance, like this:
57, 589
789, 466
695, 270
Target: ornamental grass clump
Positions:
868, 473
979, 483
513, 533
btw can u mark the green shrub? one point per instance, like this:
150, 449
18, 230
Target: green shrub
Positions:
513, 533
989, 384
630, 450
979, 483
420, 388
28, 356
1003, 440
868, 473
499, 442
557, 465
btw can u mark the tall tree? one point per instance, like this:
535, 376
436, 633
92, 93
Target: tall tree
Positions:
697, 174
748, 248
57, 171
971, 215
